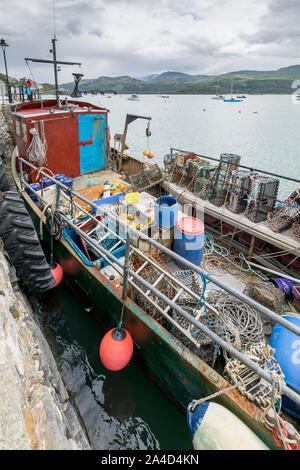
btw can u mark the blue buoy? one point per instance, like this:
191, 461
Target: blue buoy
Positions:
287, 353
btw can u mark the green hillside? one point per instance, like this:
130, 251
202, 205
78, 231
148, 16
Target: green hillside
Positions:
244, 81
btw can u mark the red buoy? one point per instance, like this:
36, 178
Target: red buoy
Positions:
150, 155
116, 349
57, 273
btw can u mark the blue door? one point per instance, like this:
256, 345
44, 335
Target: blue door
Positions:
92, 142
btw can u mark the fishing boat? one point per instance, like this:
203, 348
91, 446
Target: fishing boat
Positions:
100, 197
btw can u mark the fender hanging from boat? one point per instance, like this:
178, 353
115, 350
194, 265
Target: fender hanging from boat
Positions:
214, 427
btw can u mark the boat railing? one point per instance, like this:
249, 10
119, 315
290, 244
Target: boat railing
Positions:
136, 280
287, 178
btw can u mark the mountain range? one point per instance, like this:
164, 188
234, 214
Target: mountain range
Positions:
243, 81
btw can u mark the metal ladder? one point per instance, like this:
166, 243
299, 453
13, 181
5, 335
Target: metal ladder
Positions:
179, 287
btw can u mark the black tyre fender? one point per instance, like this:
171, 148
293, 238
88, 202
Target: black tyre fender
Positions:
4, 184
22, 244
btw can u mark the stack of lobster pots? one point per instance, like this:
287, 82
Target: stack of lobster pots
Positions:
239, 193
222, 178
287, 214
263, 195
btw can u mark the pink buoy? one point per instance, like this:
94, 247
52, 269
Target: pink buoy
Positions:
116, 349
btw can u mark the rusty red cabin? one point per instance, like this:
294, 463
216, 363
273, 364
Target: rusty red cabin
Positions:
77, 134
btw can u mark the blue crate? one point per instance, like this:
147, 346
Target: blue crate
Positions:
106, 200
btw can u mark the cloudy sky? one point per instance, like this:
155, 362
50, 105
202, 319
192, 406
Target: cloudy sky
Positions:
141, 37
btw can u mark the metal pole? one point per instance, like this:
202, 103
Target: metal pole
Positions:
7, 82
126, 266
55, 72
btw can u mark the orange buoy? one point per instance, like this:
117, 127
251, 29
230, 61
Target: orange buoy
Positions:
150, 155
57, 273
116, 349
146, 153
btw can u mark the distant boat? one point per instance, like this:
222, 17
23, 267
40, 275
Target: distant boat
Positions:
217, 96
241, 96
134, 98
165, 96
232, 100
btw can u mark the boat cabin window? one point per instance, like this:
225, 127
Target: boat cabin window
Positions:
24, 131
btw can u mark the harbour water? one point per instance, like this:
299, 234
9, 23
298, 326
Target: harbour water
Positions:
263, 129
120, 410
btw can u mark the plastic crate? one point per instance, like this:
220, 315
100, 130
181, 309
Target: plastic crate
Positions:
106, 200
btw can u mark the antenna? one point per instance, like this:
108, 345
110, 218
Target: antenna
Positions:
54, 32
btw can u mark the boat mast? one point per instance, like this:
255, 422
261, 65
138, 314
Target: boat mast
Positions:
55, 70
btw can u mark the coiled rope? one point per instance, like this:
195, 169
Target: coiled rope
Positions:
213, 252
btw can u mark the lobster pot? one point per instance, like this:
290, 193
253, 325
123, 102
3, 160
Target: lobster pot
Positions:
203, 187
166, 212
296, 229
287, 353
180, 174
286, 213
262, 199
221, 181
189, 240
193, 167
240, 190
36, 187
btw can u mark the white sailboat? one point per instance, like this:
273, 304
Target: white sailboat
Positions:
217, 96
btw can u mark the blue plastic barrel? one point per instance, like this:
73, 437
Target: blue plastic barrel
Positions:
287, 353
67, 181
189, 240
36, 187
47, 182
166, 212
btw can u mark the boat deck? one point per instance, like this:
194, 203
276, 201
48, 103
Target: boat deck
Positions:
285, 241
